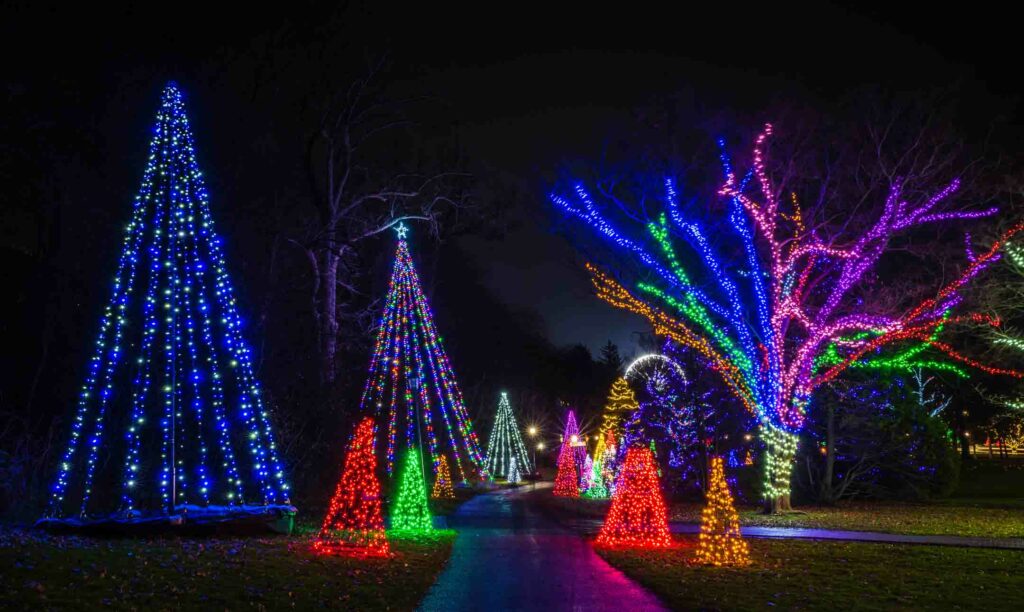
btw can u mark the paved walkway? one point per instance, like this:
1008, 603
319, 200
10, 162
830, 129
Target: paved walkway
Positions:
510, 557
590, 526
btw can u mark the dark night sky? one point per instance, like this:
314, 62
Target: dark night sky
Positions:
534, 85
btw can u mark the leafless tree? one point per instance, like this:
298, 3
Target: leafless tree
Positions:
366, 176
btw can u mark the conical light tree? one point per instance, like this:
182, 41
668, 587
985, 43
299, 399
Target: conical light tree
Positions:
410, 511
567, 483
443, 481
170, 363
513, 472
411, 380
608, 459
621, 402
586, 474
354, 524
571, 437
597, 488
637, 516
506, 442
720, 541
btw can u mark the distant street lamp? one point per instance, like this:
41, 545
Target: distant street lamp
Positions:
532, 431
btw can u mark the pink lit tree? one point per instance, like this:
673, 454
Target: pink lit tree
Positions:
762, 317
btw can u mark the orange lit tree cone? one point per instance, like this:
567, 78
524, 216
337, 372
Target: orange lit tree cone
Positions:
354, 524
720, 541
567, 482
442, 481
637, 517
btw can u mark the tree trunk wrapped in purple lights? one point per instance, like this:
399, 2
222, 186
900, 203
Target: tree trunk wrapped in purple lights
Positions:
763, 320
411, 379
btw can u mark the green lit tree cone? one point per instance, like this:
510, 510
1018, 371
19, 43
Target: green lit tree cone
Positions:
409, 511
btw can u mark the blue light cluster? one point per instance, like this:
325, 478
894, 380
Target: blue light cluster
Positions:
192, 398
739, 336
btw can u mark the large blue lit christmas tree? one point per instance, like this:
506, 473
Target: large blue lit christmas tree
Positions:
411, 379
170, 422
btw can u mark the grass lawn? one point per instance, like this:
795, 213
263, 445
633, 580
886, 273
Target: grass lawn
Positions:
42, 571
794, 574
970, 517
945, 518
888, 517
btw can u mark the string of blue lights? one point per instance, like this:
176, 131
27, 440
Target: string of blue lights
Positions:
170, 363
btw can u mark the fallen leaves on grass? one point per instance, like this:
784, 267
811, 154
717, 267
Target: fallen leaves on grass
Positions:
90, 573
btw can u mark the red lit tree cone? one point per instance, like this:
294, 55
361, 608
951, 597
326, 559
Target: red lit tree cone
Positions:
720, 541
354, 523
567, 480
637, 516
443, 481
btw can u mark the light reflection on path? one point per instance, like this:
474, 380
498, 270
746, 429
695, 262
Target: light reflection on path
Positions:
509, 557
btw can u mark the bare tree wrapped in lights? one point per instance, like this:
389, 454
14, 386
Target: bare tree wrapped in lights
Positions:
762, 319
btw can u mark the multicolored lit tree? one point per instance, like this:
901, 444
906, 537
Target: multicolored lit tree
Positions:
621, 402
637, 517
762, 320
606, 453
567, 482
506, 443
1002, 296
410, 511
597, 488
442, 481
908, 360
410, 377
720, 541
571, 436
354, 524
586, 474
170, 363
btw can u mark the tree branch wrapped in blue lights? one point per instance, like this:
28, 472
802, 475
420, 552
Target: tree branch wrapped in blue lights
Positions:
170, 371
763, 318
